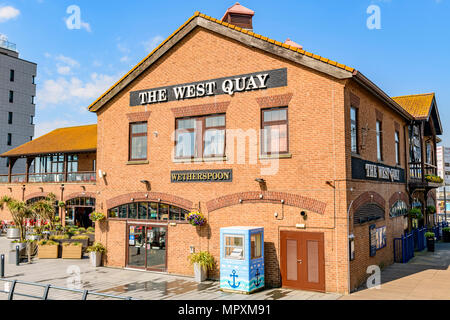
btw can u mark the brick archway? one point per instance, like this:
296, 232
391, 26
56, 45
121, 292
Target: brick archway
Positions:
36, 195
398, 196
290, 199
149, 196
80, 195
368, 197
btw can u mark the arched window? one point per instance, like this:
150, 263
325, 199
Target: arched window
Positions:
368, 212
148, 211
399, 209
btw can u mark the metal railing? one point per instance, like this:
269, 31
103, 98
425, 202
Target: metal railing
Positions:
81, 177
8, 45
50, 177
46, 290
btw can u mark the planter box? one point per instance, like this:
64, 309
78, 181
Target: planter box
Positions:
72, 252
430, 244
48, 252
13, 233
200, 273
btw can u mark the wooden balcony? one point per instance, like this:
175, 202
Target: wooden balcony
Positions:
417, 175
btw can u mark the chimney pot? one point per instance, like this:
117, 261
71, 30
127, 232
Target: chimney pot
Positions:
239, 16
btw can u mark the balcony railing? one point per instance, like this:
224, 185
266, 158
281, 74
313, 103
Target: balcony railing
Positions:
418, 173
50, 177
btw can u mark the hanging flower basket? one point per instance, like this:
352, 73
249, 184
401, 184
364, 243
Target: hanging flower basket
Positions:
197, 219
415, 213
97, 216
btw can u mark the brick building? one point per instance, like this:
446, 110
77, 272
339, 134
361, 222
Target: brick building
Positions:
254, 132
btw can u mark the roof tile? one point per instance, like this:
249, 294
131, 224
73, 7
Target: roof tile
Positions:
63, 140
418, 105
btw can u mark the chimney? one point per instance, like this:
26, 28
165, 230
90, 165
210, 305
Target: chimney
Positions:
239, 16
291, 43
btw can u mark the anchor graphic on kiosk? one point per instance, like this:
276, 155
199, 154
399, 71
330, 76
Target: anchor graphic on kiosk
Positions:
234, 276
242, 259
258, 280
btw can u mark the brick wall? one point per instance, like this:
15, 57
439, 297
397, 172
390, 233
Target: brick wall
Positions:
315, 114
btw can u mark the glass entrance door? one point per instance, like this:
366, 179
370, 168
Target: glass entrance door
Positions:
156, 248
147, 247
136, 246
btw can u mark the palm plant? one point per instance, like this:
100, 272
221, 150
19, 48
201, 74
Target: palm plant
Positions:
45, 209
20, 211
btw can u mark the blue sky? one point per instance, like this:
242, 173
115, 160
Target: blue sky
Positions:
408, 55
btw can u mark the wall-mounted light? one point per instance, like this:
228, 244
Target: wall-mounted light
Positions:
101, 173
156, 134
42, 189
147, 183
282, 201
260, 180
304, 215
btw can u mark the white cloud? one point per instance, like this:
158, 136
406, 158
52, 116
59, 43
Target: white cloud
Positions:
151, 44
8, 13
64, 70
73, 90
67, 60
125, 59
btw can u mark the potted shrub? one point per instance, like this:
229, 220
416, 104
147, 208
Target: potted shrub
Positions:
21, 244
83, 239
95, 253
196, 219
430, 236
72, 250
446, 234
48, 249
202, 261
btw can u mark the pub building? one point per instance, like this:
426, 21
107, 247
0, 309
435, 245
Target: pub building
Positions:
251, 132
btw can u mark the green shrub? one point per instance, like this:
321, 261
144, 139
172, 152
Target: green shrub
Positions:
429, 235
47, 243
204, 258
90, 229
72, 244
97, 247
60, 237
81, 237
446, 229
415, 213
81, 229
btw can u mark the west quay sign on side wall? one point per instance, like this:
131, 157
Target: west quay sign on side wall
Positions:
366, 170
230, 85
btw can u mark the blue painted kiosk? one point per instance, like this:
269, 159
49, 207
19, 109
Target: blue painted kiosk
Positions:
241, 259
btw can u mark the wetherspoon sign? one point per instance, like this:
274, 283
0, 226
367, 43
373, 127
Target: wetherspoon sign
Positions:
225, 175
230, 85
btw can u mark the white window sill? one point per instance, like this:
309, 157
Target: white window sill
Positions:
196, 160
275, 156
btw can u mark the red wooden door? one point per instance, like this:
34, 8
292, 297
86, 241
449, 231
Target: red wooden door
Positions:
303, 260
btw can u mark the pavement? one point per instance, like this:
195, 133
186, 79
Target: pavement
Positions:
426, 276
79, 274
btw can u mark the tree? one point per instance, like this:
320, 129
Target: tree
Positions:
20, 211
45, 209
